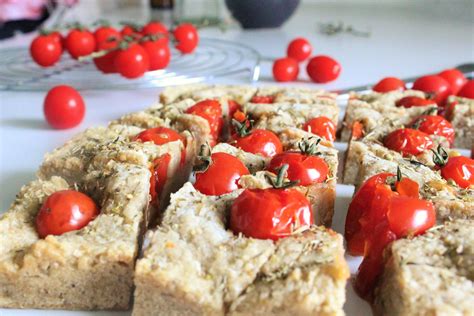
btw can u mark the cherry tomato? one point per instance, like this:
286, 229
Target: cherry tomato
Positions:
260, 142
389, 84
156, 28
321, 126
45, 50
161, 136
455, 78
131, 31
80, 43
106, 33
408, 141
65, 211
435, 85
222, 175
299, 49
467, 91
285, 69
63, 107
434, 125
187, 38
459, 169
58, 37
233, 107
106, 63
262, 99
211, 111
158, 53
159, 175
269, 213
305, 169
410, 101
322, 69
132, 62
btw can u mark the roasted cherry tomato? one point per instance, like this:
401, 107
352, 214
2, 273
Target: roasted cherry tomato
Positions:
455, 78
63, 107
459, 169
322, 69
306, 169
299, 49
263, 99
408, 141
158, 53
106, 63
437, 86
161, 136
261, 142
221, 176
65, 211
211, 111
410, 101
285, 69
187, 38
434, 125
80, 43
46, 50
106, 33
467, 91
321, 126
159, 175
269, 213
132, 62
389, 84
233, 106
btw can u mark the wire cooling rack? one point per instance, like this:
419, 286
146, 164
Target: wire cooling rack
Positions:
212, 59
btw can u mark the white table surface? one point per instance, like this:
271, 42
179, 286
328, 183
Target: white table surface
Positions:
405, 41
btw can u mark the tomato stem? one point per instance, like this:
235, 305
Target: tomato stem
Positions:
204, 158
279, 182
309, 148
243, 128
440, 156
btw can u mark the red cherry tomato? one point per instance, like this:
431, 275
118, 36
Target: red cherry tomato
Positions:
299, 49
159, 175
435, 85
260, 142
161, 136
58, 37
467, 91
389, 84
63, 107
321, 126
305, 169
410, 101
233, 107
106, 63
106, 33
131, 31
132, 62
154, 27
222, 175
455, 78
459, 169
187, 38
80, 43
285, 69
408, 141
434, 125
158, 53
323, 69
45, 50
65, 211
211, 111
269, 213
263, 99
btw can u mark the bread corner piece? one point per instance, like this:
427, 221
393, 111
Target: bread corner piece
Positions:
88, 269
194, 265
431, 274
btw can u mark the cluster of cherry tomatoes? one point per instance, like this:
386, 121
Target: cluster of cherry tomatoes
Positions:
321, 69
131, 51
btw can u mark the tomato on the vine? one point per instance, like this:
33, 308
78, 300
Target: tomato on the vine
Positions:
45, 50
187, 38
221, 176
437, 86
467, 91
323, 69
106, 63
131, 31
259, 141
459, 169
408, 141
63, 107
389, 84
410, 101
158, 53
434, 125
211, 111
321, 126
269, 213
262, 99
80, 43
154, 28
132, 62
106, 33
299, 49
455, 78
285, 69
65, 211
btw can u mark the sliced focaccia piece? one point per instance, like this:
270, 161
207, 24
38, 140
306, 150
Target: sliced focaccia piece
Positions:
87, 269
276, 94
194, 265
461, 115
368, 111
431, 274
197, 92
